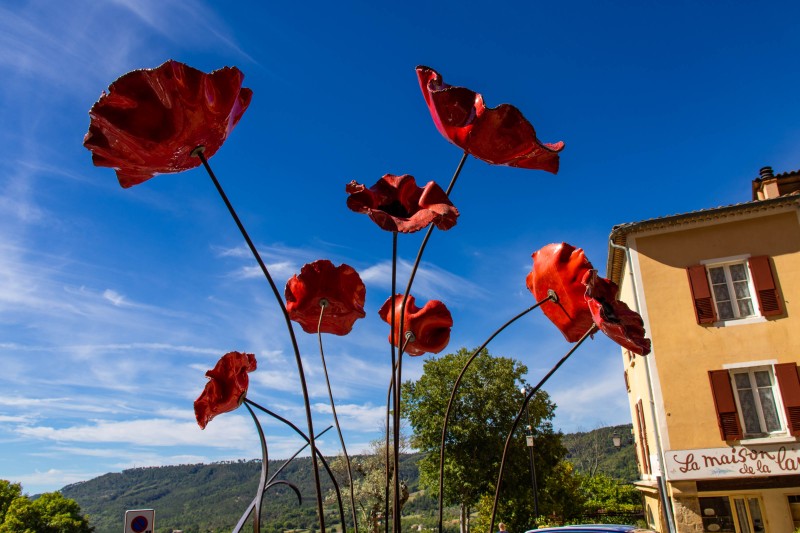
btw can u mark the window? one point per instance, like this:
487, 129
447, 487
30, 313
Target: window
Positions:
755, 398
734, 289
757, 401
725, 513
730, 285
794, 508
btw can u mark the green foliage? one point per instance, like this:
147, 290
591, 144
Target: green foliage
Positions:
485, 406
50, 513
593, 451
8, 493
606, 494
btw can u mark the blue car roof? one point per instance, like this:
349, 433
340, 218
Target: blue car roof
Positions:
591, 528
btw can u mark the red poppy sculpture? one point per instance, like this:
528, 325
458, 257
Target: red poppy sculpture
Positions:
151, 121
396, 203
561, 268
499, 135
429, 326
226, 388
613, 317
339, 289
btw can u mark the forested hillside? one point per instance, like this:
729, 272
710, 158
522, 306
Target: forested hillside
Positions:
210, 498
206, 498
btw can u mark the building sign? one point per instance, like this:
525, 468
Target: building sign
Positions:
733, 462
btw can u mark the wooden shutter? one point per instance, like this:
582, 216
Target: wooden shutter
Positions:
789, 385
766, 289
644, 449
627, 384
704, 309
725, 404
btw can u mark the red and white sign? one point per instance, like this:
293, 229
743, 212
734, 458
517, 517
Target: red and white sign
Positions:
140, 521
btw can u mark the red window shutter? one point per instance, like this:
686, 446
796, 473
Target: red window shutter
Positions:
766, 289
644, 449
725, 404
704, 309
789, 384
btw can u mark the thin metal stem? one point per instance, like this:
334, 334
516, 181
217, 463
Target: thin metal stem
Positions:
320, 511
453, 396
397, 401
528, 397
392, 388
322, 306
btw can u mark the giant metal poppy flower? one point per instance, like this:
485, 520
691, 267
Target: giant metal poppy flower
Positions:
339, 288
226, 388
499, 135
429, 326
561, 267
396, 203
613, 317
151, 120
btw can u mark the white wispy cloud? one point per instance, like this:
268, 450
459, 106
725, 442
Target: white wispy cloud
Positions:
430, 282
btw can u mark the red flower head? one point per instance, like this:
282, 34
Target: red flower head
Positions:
395, 203
613, 317
498, 135
226, 388
429, 326
561, 267
341, 290
151, 120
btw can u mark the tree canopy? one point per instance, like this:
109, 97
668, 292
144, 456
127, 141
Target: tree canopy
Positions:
49, 513
487, 401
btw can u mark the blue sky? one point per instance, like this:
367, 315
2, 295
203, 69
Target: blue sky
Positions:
114, 302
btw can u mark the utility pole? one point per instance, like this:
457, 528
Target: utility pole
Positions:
529, 442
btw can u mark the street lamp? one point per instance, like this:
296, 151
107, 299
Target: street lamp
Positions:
617, 440
529, 441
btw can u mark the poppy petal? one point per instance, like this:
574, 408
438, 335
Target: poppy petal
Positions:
396, 203
561, 268
151, 120
614, 318
499, 135
429, 325
226, 388
341, 288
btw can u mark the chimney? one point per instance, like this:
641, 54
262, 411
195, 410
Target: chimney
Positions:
765, 186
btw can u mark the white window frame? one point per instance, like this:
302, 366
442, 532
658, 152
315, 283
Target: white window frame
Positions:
726, 262
776, 396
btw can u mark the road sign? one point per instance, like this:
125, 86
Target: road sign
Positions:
140, 521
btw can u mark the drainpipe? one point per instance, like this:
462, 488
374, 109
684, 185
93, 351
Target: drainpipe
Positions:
662, 486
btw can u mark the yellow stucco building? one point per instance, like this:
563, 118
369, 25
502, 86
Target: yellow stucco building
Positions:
716, 405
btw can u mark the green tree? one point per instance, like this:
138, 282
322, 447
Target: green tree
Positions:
487, 401
8, 493
50, 513
606, 494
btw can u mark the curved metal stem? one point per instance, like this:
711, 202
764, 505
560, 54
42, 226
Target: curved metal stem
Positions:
528, 397
322, 306
316, 452
199, 153
257, 502
453, 396
269, 482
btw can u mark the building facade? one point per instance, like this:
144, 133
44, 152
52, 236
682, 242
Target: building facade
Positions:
716, 404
